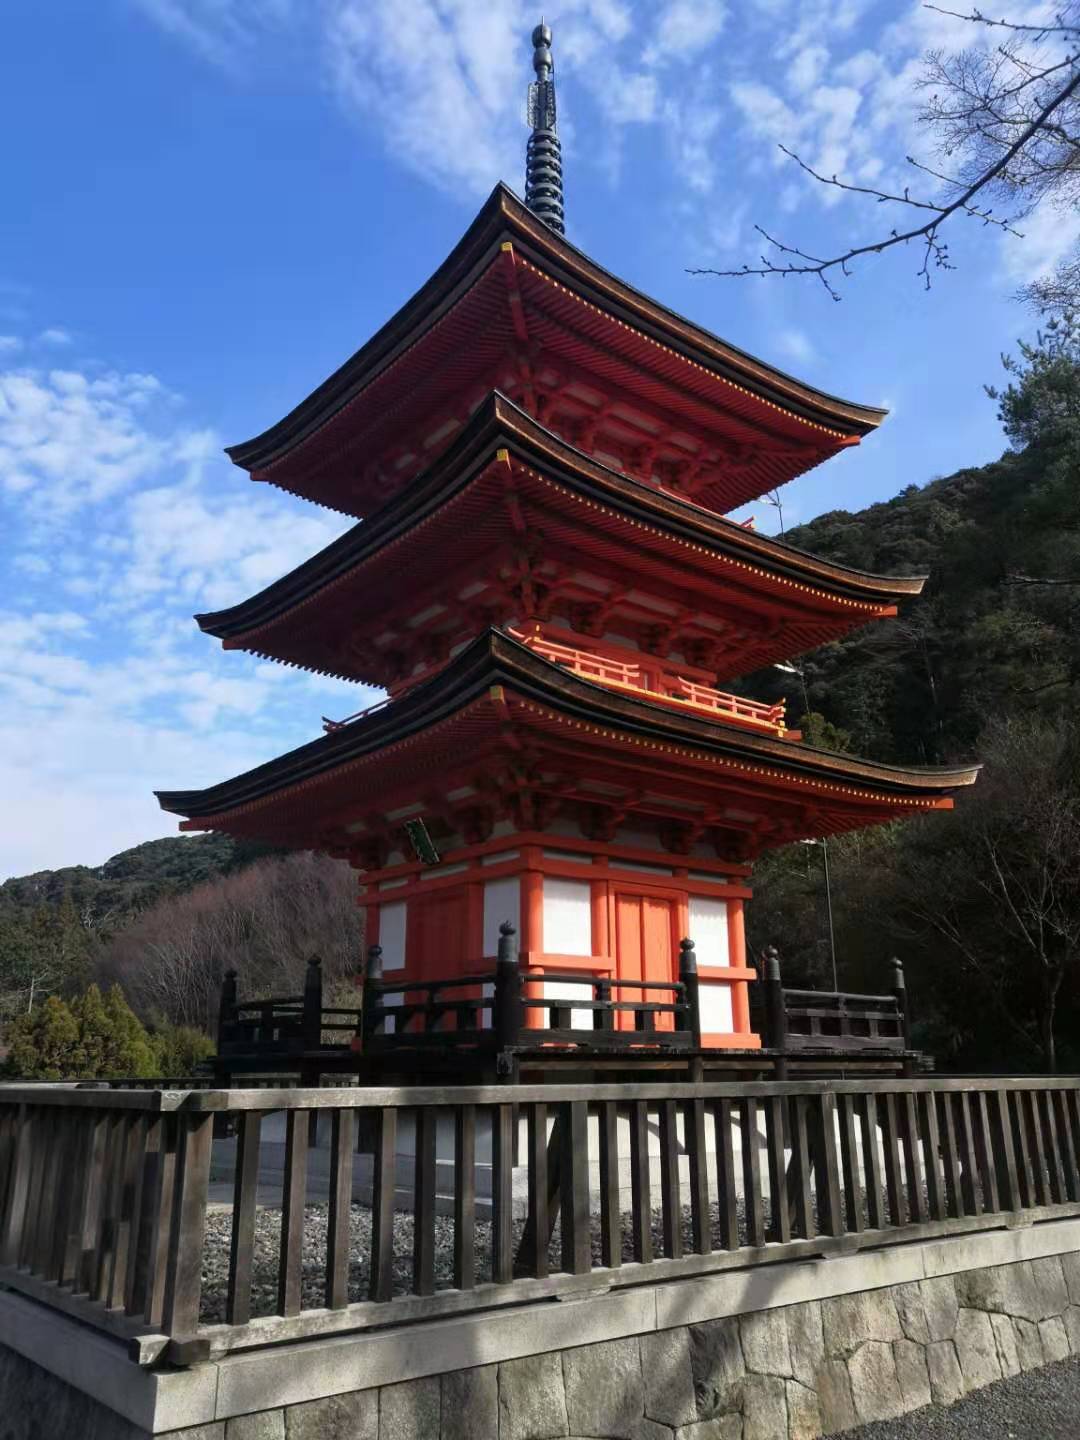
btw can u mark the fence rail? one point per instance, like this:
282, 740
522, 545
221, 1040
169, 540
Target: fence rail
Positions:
104, 1193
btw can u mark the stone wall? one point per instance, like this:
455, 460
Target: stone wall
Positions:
801, 1371
814, 1368
804, 1370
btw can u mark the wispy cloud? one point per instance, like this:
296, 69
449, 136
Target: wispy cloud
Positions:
55, 335
119, 523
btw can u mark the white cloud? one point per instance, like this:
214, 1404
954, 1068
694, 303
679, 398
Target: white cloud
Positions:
1050, 235
796, 345
218, 29
10, 343
112, 691
684, 28
55, 335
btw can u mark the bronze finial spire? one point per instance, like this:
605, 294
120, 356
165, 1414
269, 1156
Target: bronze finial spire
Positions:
543, 156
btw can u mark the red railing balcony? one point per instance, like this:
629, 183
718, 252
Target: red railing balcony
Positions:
661, 686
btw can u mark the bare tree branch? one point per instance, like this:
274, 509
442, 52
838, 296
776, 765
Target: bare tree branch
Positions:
935, 251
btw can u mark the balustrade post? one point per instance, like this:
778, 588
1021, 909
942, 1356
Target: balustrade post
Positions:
370, 1020
507, 1011
311, 1023
603, 1019
226, 1007
688, 975
775, 1011
899, 990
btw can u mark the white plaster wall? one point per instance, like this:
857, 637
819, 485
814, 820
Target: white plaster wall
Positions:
708, 924
392, 935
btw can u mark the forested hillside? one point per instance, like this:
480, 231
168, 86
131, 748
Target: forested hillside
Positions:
983, 904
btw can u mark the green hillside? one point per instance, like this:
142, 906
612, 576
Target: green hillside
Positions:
108, 895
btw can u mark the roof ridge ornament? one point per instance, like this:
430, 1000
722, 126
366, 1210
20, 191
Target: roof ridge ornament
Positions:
543, 155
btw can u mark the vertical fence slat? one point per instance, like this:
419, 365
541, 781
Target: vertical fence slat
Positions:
1070, 1100
694, 1130
382, 1207
159, 1263
130, 1148
779, 1210
984, 1152
890, 1136
342, 1132
574, 1199
868, 1126
849, 1163
670, 1197
798, 1179
183, 1281
830, 1215
148, 1201
39, 1162
423, 1281
293, 1196
935, 1181
640, 1192
751, 1160
910, 1138
502, 1194
245, 1197
105, 1244
1005, 1150
465, 1196
950, 1155
47, 1198
68, 1231
1038, 1148
1045, 1104
1060, 1100
1023, 1149
610, 1203
726, 1205
969, 1170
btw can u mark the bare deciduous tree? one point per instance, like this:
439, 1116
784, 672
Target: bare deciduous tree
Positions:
264, 921
1005, 126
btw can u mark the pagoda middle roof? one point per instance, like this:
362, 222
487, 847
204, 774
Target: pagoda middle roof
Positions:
446, 521
497, 696
514, 286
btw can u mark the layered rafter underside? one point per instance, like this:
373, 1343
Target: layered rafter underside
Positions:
516, 308
505, 732
510, 525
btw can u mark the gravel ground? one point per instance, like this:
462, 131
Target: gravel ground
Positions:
1041, 1405
264, 1270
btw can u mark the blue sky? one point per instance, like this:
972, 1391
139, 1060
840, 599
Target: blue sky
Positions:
209, 204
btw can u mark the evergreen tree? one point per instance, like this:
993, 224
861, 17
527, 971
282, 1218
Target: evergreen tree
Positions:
43, 1045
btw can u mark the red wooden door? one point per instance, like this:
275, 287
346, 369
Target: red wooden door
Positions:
646, 926
438, 948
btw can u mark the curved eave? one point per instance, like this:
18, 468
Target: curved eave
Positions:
493, 660
504, 215
501, 424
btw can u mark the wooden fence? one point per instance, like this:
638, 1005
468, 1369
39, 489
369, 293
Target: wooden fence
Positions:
103, 1193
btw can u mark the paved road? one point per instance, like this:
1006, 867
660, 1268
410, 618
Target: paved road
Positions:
1041, 1405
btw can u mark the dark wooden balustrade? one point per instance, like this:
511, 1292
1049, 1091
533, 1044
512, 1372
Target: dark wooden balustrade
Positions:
104, 1193
494, 1010
837, 1022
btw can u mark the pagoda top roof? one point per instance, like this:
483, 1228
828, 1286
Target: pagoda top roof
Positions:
307, 790
500, 425
315, 448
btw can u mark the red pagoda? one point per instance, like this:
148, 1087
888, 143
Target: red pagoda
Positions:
546, 586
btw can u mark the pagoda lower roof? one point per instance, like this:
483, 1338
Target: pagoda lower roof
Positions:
506, 482
515, 297
500, 715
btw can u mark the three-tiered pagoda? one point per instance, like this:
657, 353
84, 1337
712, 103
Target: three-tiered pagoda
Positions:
546, 586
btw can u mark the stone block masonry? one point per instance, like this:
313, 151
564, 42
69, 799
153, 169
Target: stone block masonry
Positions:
776, 1372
